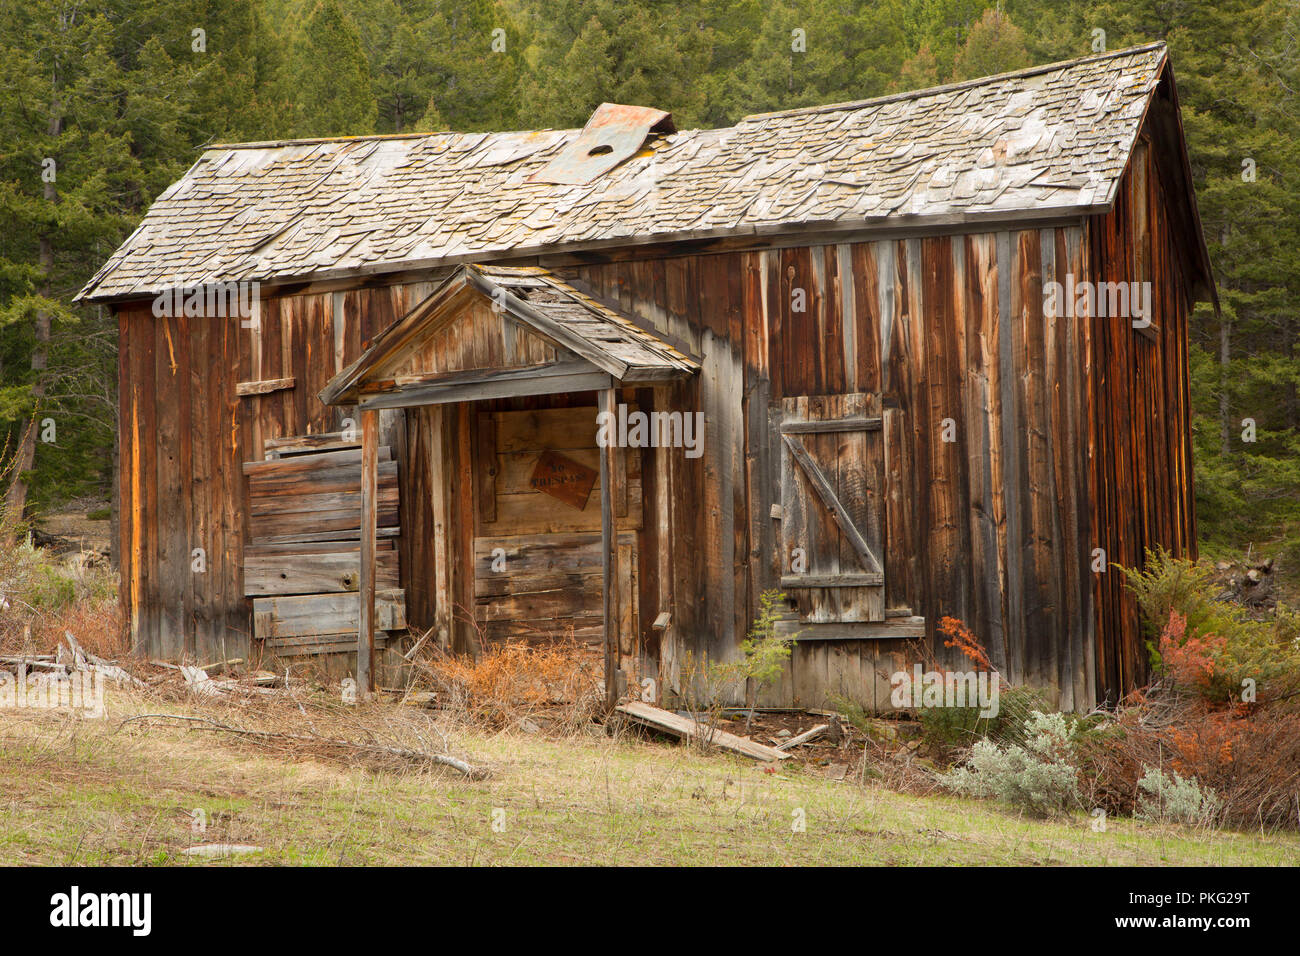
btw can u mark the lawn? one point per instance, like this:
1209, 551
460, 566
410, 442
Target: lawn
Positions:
83, 791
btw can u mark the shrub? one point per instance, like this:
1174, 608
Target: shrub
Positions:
1037, 777
1249, 757
1169, 584
709, 685
1206, 645
508, 681
1185, 658
42, 596
1175, 799
949, 727
946, 728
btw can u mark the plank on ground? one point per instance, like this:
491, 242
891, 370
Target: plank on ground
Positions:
686, 728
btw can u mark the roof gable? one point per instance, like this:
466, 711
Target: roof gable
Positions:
488, 324
1051, 141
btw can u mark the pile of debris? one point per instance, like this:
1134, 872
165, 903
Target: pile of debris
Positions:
1249, 583
63, 678
69, 659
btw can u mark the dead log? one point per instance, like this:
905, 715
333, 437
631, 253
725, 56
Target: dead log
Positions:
806, 737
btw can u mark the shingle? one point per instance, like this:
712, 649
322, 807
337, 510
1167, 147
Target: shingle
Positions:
1052, 137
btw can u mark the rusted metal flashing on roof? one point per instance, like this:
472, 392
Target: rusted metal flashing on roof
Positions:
614, 133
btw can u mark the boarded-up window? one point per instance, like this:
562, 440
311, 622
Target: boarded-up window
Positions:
832, 507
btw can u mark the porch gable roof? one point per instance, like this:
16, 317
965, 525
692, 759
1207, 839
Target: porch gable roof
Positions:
586, 344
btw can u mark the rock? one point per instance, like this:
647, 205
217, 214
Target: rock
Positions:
837, 771
529, 726
220, 850
784, 733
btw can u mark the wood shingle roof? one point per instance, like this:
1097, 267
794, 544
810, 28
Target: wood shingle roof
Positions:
1048, 141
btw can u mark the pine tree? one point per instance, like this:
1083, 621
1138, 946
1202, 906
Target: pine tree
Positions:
332, 94
995, 45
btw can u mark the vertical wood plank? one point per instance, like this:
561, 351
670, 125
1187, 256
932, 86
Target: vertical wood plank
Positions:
369, 515
609, 462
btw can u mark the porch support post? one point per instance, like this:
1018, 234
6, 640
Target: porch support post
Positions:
369, 516
610, 459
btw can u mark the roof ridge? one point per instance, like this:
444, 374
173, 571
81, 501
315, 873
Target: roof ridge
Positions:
801, 110
951, 87
374, 137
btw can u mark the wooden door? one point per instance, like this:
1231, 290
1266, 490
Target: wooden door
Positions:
537, 541
832, 507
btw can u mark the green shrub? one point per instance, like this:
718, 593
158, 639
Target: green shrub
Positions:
1240, 648
1175, 584
958, 726
708, 685
1037, 777
34, 581
1175, 799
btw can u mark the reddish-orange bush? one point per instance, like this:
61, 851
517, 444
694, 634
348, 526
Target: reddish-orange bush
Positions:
1188, 659
507, 681
1250, 759
964, 640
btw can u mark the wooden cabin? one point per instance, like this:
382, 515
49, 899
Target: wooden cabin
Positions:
839, 323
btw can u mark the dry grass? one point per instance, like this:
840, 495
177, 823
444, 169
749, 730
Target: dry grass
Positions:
555, 683
44, 596
104, 791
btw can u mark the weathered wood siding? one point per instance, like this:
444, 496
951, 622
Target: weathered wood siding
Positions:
181, 485
1140, 410
1068, 434
186, 433
950, 327
996, 527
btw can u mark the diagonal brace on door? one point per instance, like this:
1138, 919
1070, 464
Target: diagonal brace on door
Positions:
832, 502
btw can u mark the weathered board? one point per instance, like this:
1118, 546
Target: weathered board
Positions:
315, 573
319, 614
1070, 435
832, 507
688, 729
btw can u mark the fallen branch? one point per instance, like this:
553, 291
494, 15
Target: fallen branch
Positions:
805, 737
31, 662
410, 655
335, 743
84, 660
